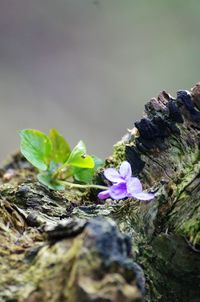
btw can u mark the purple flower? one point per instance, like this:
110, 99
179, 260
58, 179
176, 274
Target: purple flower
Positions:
123, 184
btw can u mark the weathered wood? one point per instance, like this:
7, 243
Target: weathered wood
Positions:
53, 246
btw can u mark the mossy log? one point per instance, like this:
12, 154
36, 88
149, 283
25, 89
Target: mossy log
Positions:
69, 246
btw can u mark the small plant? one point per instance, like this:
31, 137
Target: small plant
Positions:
56, 162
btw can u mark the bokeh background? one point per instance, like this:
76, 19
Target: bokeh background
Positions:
87, 67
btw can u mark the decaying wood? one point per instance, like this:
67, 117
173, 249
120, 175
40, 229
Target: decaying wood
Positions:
65, 246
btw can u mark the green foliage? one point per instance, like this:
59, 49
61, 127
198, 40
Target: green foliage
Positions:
47, 180
36, 148
52, 156
86, 175
78, 157
61, 148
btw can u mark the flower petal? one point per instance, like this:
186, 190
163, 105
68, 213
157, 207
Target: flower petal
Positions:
134, 186
143, 196
118, 191
112, 175
125, 170
104, 194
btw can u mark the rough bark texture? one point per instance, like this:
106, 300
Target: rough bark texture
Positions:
66, 246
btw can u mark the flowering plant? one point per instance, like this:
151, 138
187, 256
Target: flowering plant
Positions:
123, 184
56, 162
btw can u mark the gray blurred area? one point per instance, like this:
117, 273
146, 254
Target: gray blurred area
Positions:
87, 67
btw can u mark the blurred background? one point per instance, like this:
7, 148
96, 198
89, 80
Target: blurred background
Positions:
87, 67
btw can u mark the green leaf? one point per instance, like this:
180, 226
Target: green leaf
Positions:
78, 157
98, 162
36, 148
53, 184
86, 175
61, 148
83, 175
52, 167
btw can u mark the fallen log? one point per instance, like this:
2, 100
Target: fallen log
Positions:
65, 246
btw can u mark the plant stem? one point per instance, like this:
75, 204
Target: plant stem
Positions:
58, 171
72, 185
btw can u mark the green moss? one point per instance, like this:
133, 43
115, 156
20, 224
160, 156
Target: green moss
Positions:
191, 229
118, 155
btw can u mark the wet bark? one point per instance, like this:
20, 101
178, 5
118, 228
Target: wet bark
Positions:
67, 247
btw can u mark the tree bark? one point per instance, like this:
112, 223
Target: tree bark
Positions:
66, 247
